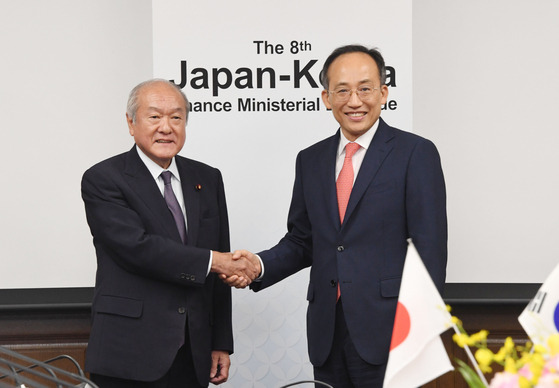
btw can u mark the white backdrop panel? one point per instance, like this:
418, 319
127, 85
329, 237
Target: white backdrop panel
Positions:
67, 67
256, 151
486, 92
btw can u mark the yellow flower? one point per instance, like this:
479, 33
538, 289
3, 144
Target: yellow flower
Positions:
462, 339
480, 336
526, 362
510, 365
553, 343
523, 382
505, 351
540, 349
456, 321
537, 360
484, 358
509, 345
534, 363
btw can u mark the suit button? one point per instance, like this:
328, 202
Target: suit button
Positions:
341, 248
333, 283
182, 310
183, 276
193, 278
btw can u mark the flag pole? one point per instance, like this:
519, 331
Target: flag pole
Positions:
471, 357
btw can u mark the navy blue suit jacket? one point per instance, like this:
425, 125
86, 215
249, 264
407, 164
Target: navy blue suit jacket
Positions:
149, 285
399, 193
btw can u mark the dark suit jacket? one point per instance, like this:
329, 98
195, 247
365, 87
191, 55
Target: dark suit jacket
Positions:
399, 193
149, 285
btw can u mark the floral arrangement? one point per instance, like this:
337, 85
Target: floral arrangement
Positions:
524, 366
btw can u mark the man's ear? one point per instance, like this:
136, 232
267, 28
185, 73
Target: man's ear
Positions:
131, 125
325, 100
384, 94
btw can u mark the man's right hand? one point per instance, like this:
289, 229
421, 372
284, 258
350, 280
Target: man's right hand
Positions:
236, 270
242, 255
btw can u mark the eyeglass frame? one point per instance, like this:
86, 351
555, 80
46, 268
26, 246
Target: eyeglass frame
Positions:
351, 91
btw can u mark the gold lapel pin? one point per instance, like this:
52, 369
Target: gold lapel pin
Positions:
198, 187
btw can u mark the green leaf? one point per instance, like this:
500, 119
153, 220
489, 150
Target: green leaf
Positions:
469, 375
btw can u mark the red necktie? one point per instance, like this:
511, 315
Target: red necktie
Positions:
344, 184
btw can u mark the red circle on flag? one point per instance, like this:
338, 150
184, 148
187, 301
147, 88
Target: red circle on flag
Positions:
402, 324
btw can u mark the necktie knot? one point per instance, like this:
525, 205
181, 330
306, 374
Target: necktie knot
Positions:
166, 175
351, 149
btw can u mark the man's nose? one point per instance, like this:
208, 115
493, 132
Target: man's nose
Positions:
354, 99
165, 126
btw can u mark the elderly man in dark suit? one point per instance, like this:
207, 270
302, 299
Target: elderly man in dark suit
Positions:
160, 315
358, 196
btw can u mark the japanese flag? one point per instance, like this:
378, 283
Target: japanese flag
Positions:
417, 354
540, 318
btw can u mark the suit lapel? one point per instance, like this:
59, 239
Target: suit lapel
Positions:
141, 181
327, 176
191, 188
378, 150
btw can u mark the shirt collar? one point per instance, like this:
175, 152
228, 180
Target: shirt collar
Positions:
155, 169
364, 140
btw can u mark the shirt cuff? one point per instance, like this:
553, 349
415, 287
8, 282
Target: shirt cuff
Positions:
259, 278
210, 263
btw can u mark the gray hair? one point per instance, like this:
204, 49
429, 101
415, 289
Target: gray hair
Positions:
132, 105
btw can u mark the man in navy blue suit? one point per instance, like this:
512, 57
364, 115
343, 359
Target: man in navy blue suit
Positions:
161, 318
356, 247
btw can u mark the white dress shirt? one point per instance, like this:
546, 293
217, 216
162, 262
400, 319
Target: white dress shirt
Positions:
364, 141
156, 170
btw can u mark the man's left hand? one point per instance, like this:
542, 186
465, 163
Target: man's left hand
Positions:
220, 367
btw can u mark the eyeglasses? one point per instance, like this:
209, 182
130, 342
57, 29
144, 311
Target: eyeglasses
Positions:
344, 94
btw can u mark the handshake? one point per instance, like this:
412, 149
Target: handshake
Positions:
237, 269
